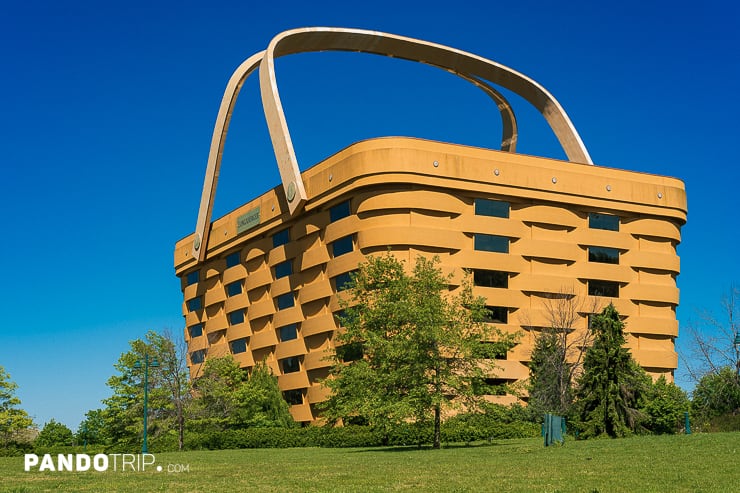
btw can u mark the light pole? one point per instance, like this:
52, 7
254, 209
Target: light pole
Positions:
146, 364
737, 354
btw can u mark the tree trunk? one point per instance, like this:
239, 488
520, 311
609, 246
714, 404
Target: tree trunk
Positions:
181, 428
437, 426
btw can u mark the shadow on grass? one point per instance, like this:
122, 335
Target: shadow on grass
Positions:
427, 447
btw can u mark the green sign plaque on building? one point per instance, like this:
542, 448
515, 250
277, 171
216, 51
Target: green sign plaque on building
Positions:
248, 221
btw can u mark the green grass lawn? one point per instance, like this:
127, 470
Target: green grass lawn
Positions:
699, 462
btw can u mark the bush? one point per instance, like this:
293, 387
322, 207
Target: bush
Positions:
497, 422
664, 405
15, 449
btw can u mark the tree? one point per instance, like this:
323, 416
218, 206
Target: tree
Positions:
92, 429
262, 401
664, 405
54, 434
173, 369
168, 393
612, 384
13, 420
412, 343
557, 355
715, 361
227, 397
717, 394
713, 339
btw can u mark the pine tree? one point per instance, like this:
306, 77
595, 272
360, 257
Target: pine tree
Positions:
612, 383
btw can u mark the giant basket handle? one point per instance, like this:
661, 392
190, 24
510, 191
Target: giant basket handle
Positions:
470, 67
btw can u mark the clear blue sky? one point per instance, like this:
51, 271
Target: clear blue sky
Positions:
107, 109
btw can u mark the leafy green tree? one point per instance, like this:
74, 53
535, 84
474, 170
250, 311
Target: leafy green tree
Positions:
412, 343
216, 402
612, 384
92, 429
227, 397
13, 420
664, 405
54, 434
167, 399
717, 394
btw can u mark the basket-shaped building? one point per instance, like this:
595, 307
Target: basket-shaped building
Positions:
261, 282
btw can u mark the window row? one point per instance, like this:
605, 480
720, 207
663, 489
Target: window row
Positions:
500, 208
287, 332
483, 207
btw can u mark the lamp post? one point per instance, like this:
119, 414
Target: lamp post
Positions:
737, 354
146, 364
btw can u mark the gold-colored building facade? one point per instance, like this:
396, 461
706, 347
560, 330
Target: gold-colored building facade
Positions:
532, 228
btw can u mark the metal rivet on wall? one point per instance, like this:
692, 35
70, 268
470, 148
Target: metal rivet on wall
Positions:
608, 188
496, 172
436, 164
554, 180
660, 195
331, 177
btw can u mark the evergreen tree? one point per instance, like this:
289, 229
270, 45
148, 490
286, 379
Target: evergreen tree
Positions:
612, 384
550, 389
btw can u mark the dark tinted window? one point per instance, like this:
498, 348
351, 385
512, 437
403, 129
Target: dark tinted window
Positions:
195, 304
195, 330
498, 314
197, 356
234, 288
232, 259
288, 333
280, 238
236, 317
495, 208
603, 288
283, 269
342, 246
293, 397
491, 278
491, 243
339, 211
603, 255
285, 301
192, 278
239, 346
291, 365
603, 221
342, 281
